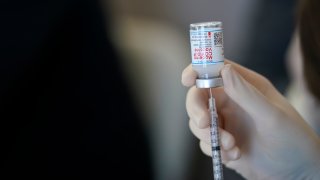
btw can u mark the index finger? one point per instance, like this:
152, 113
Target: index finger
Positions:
254, 78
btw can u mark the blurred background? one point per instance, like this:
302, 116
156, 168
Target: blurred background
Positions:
155, 38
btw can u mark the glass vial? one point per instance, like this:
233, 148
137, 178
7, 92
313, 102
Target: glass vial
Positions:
206, 40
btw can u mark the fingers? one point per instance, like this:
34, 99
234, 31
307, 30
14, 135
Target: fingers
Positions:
257, 80
227, 140
245, 95
197, 107
229, 150
189, 76
230, 155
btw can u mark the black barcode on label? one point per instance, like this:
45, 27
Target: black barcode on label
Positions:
218, 39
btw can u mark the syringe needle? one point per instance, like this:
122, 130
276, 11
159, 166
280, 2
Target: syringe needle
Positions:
210, 92
215, 143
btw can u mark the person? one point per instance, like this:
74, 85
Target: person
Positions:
66, 110
262, 135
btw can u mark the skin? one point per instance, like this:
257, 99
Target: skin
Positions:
262, 135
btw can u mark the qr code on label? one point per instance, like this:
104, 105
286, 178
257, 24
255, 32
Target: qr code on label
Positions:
218, 39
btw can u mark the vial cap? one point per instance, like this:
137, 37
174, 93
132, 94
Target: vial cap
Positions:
202, 25
209, 83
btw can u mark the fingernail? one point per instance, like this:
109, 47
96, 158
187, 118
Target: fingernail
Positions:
228, 76
233, 83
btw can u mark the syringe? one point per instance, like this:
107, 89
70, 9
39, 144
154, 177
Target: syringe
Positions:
215, 143
214, 125
206, 41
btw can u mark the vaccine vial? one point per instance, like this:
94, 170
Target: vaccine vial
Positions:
206, 40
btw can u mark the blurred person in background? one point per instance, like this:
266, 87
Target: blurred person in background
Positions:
303, 64
262, 134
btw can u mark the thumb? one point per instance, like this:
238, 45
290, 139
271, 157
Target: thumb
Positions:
248, 97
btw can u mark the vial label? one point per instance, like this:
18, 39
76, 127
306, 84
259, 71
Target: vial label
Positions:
207, 46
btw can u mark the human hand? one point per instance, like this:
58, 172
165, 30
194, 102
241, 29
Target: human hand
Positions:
262, 136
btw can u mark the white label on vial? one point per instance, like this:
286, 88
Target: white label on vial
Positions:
206, 46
